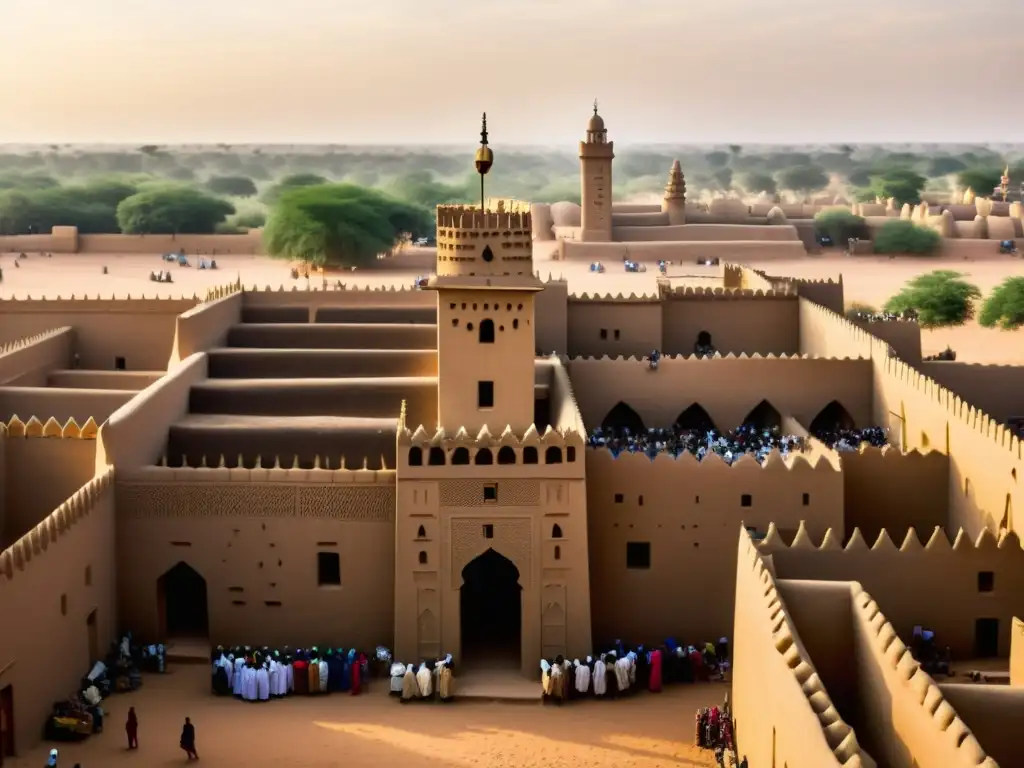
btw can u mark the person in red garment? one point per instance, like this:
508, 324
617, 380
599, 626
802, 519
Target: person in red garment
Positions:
131, 727
300, 674
654, 681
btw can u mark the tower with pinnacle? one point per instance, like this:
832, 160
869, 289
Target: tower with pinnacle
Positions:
596, 155
674, 202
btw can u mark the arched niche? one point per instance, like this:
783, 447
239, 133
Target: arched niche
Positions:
530, 455
182, 601
506, 455
483, 457
436, 457
460, 456
486, 331
621, 416
490, 608
415, 456
763, 416
553, 455
556, 531
832, 418
696, 419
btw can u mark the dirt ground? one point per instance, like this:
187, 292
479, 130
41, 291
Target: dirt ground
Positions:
375, 731
867, 280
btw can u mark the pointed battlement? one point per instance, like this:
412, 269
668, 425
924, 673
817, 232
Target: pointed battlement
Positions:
15, 427
607, 298
937, 542
338, 462
693, 359
13, 346
470, 217
33, 544
690, 293
84, 301
775, 461
551, 437
327, 469
24, 362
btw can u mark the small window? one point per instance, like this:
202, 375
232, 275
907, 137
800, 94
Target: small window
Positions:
88, 575
640, 500
488, 531
558, 552
556, 531
570, 454
272, 603
416, 457
618, 498
455, 322
696, 499
638, 555
487, 331
491, 492
604, 333
120, 364
515, 324
484, 457
460, 456
328, 569
530, 455
421, 532
506, 455
746, 500
423, 557
553, 455
63, 605
807, 499
485, 394
436, 456
616, 334
986, 581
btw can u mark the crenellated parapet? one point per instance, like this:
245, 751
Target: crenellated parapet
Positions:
33, 544
270, 463
704, 293
84, 301
262, 471
335, 287
422, 448
695, 360
223, 291
28, 341
712, 462
936, 544
70, 429
607, 298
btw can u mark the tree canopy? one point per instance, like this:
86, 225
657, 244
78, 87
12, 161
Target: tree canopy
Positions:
421, 188
292, 181
903, 184
981, 180
233, 186
758, 182
804, 179
170, 210
91, 207
1004, 308
840, 225
902, 236
340, 225
940, 298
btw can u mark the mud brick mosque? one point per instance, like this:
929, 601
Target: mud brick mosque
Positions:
370, 467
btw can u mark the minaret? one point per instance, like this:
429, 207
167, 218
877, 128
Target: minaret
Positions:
674, 202
485, 334
596, 155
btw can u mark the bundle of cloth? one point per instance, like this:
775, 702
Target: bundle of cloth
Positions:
264, 674
422, 682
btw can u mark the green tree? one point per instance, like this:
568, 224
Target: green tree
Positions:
292, 181
861, 177
421, 188
172, 210
233, 186
27, 181
340, 224
42, 210
903, 184
717, 159
757, 182
249, 220
981, 180
938, 298
901, 236
840, 225
804, 179
723, 176
1004, 308
945, 165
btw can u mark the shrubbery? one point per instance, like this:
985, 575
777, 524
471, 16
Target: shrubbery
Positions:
940, 298
902, 236
171, 210
231, 186
840, 225
1004, 308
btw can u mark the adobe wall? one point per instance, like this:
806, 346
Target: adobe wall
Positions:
688, 512
206, 326
551, 317
909, 724
61, 404
67, 240
419, 260
620, 326
994, 389
253, 535
313, 299
801, 728
39, 474
886, 488
728, 388
60, 240
704, 233
739, 322
904, 336
135, 435
933, 584
732, 250
127, 381
53, 580
1017, 654
26, 362
139, 330
994, 714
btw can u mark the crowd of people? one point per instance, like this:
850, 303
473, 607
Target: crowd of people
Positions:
851, 439
730, 446
424, 682
262, 674
621, 671
883, 317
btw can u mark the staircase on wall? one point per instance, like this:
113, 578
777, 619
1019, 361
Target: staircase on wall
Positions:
285, 387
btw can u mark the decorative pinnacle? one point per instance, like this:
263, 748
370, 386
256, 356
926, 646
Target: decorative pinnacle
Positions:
595, 106
483, 132
484, 156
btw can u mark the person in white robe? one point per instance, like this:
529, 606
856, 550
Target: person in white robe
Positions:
263, 682
397, 672
324, 672
631, 656
251, 686
410, 686
556, 681
445, 679
425, 681
237, 681
229, 669
545, 679
600, 677
582, 676
622, 674
274, 673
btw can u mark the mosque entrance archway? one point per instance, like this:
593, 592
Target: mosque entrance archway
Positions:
832, 418
491, 611
621, 416
763, 416
181, 600
695, 418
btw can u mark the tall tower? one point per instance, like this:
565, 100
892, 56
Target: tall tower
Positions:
596, 155
674, 202
485, 294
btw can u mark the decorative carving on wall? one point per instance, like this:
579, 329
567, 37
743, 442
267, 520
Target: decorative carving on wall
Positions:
553, 620
512, 539
470, 493
146, 500
428, 627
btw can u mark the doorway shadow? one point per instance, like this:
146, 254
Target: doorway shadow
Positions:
490, 602
182, 602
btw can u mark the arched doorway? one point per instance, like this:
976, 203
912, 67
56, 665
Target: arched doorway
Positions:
491, 611
832, 418
623, 417
695, 418
763, 416
181, 597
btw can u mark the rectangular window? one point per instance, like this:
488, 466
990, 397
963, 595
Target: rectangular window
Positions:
604, 333
485, 394
618, 498
616, 334
638, 555
986, 581
120, 364
488, 531
328, 569
746, 500
807, 499
491, 492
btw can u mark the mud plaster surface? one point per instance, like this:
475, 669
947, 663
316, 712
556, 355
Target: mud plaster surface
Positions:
376, 731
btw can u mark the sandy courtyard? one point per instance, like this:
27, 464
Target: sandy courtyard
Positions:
376, 731
868, 280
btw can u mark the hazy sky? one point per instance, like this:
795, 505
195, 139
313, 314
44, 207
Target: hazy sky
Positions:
421, 71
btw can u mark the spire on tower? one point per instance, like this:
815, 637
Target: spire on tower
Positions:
676, 186
484, 160
595, 106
